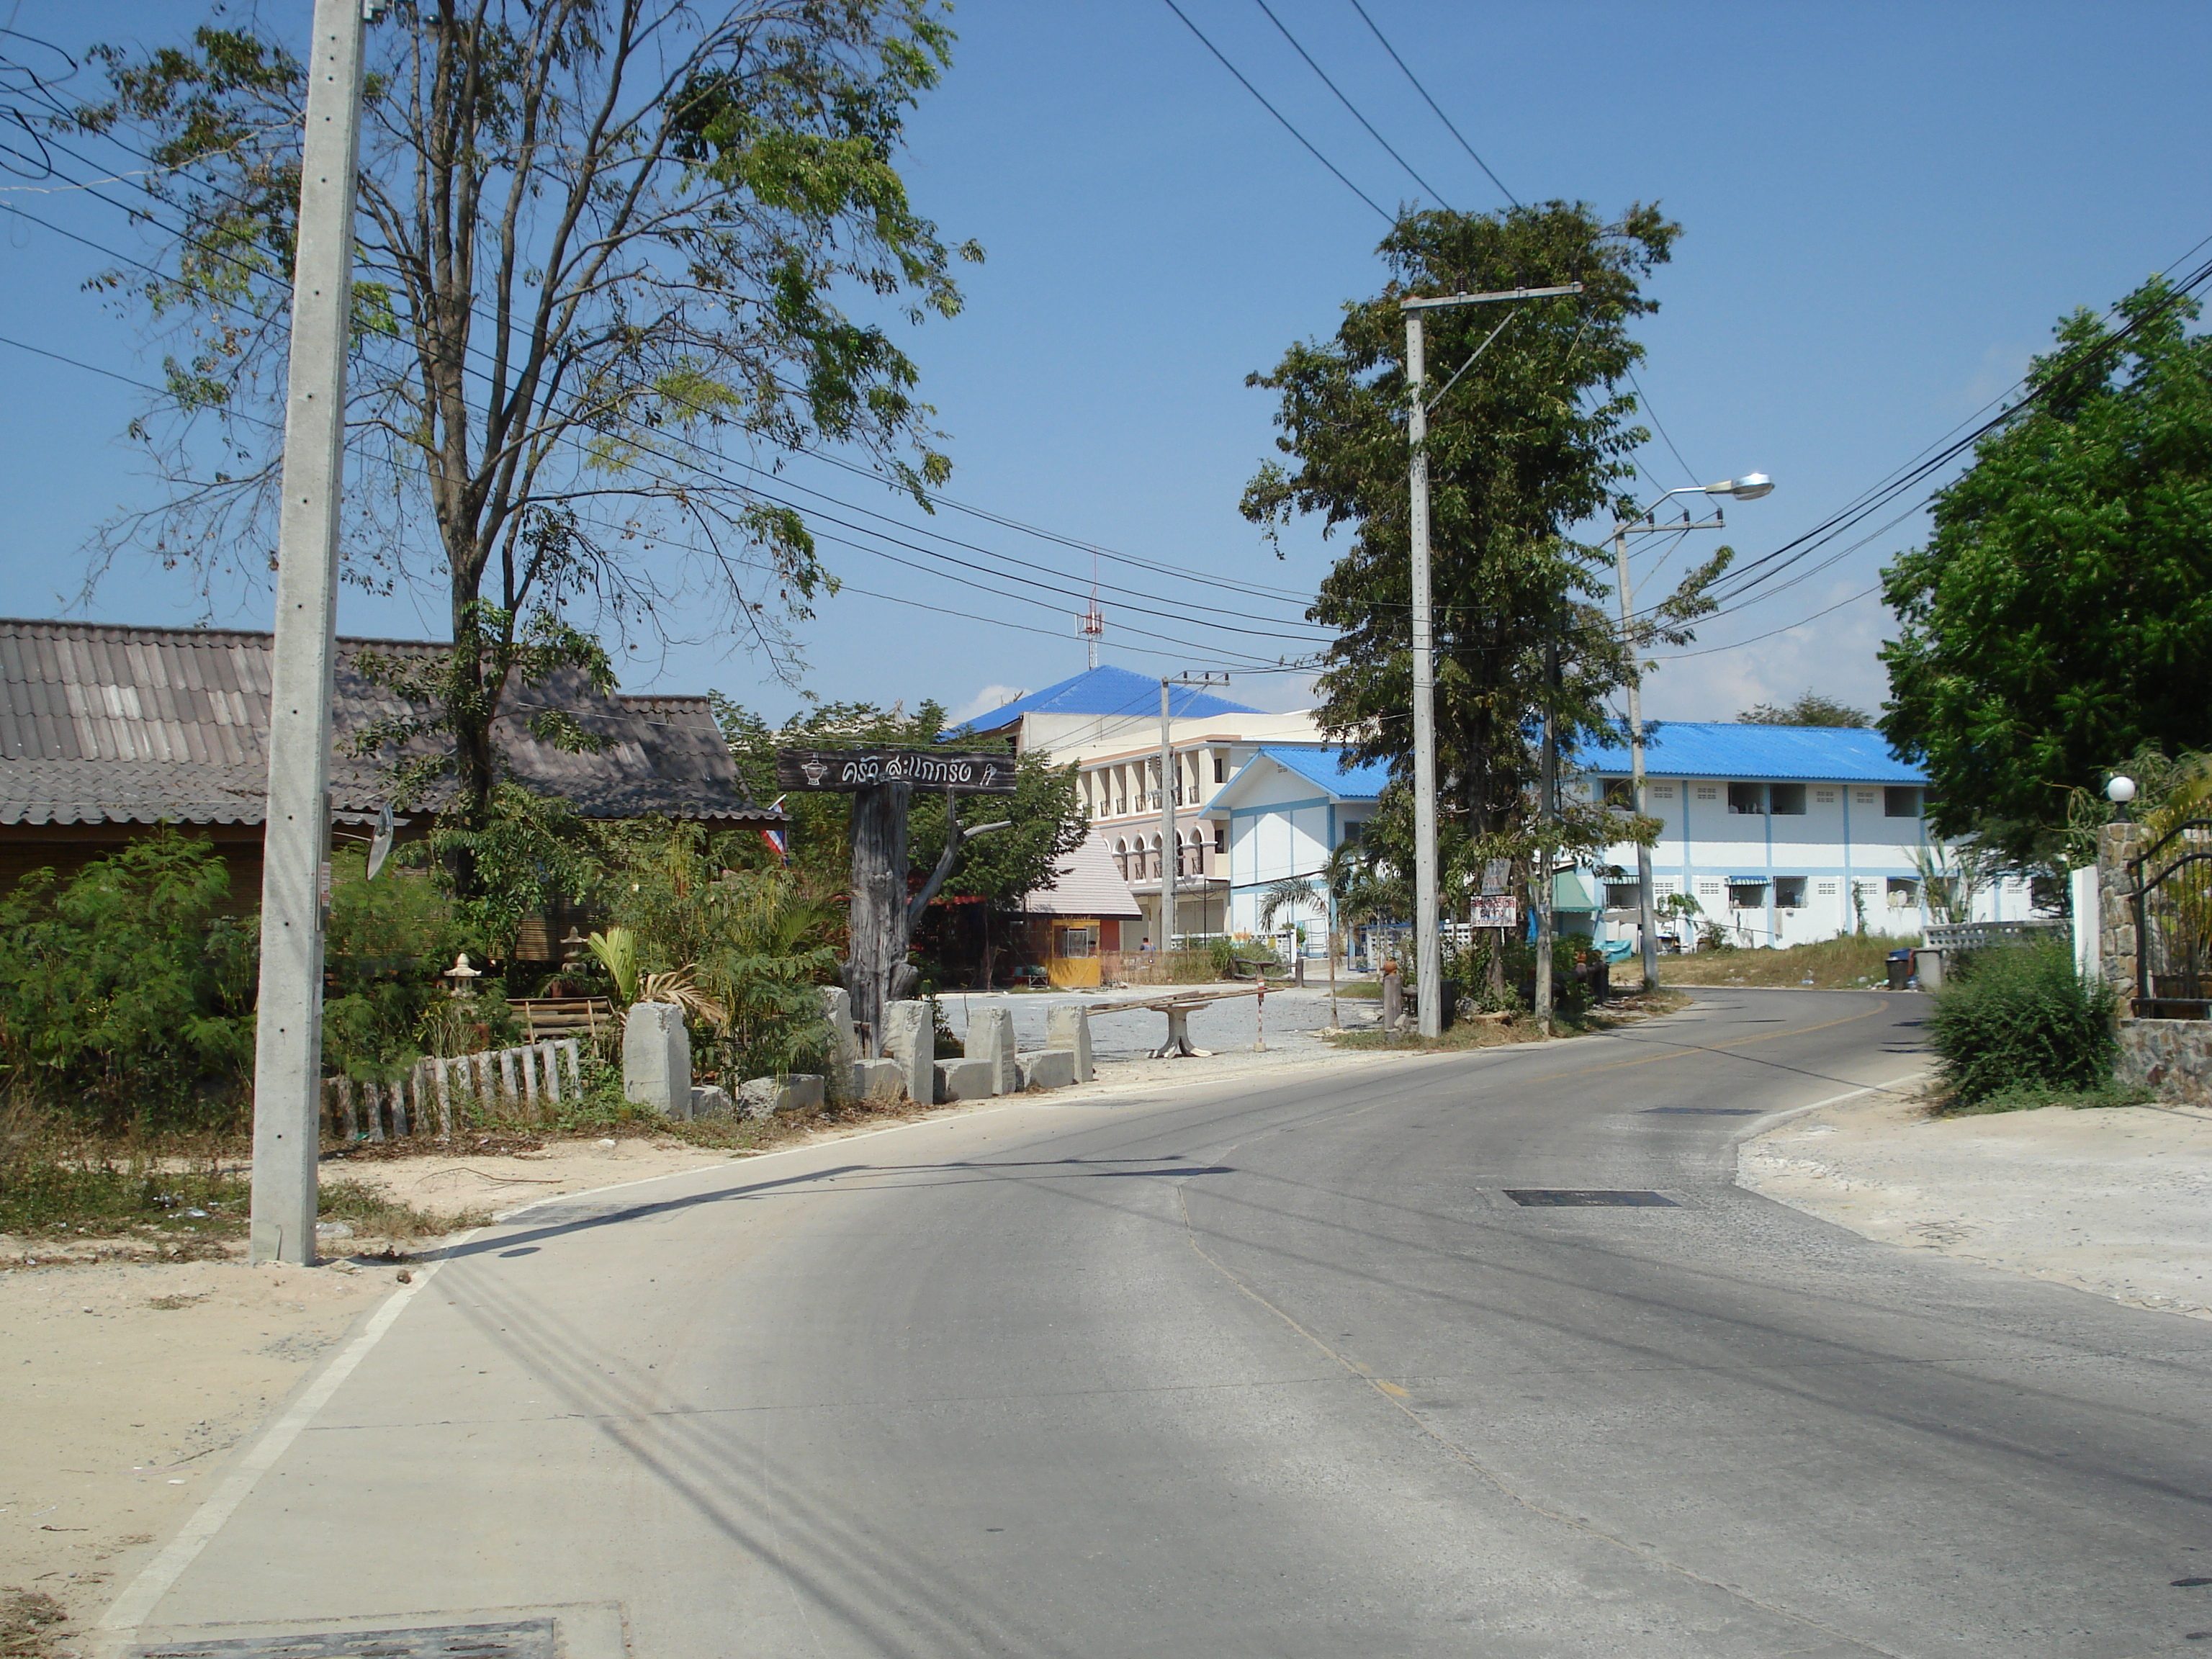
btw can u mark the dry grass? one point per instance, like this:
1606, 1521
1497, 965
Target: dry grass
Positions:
28, 1623
1856, 962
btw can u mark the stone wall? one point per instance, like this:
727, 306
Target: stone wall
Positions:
2116, 918
2173, 1056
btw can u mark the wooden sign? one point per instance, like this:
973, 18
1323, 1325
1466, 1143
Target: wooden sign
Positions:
850, 769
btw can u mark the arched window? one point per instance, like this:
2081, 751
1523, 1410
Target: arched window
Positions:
1156, 865
1122, 859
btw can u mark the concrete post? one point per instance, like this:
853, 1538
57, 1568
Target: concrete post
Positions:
2083, 891
1069, 1027
844, 1044
657, 1059
909, 1036
991, 1039
287, 1054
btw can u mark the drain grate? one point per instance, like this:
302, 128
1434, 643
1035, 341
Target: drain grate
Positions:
1705, 1111
1538, 1198
528, 1638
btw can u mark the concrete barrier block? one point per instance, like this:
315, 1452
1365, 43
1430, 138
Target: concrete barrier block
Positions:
991, 1040
1050, 1068
911, 1038
657, 1059
877, 1081
966, 1079
802, 1091
710, 1101
844, 1050
1069, 1027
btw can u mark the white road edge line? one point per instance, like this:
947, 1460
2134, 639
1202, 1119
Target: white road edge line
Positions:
1759, 1126
159, 1576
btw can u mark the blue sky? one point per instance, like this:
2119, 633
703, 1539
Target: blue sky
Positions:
1884, 208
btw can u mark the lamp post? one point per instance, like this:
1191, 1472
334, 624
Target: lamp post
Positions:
1748, 488
1428, 951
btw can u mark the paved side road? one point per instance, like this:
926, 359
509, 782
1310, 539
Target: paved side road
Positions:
1276, 1368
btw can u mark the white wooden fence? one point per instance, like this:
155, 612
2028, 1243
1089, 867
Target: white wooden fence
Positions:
505, 1083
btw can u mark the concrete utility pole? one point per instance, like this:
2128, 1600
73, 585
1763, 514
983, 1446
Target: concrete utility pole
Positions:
288, 1057
1749, 487
1428, 948
1646, 932
1170, 872
1548, 783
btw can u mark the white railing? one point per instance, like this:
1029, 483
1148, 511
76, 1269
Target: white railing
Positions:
515, 1081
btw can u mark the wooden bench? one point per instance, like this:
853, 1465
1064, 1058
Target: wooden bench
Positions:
561, 1016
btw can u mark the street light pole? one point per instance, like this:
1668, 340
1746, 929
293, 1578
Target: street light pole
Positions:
1748, 488
1428, 947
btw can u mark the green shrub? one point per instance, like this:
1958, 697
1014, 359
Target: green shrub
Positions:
125, 992
2022, 1017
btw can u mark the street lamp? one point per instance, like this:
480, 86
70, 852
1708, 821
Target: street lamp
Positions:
1748, 488
1428, 948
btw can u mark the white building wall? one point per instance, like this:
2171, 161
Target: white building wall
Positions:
1843, 840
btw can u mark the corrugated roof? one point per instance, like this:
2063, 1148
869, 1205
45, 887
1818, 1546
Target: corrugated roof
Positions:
1726, 749
1084, 884
1104, 689
1323, 767
103, 724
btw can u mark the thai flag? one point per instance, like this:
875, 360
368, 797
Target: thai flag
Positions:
778, 841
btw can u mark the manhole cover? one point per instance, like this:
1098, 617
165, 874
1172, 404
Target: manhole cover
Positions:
528, 1638
1565, 1197
1705, 1111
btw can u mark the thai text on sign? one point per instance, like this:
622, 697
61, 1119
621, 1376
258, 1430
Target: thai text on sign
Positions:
869, 768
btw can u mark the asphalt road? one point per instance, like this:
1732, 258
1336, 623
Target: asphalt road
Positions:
1270, 1369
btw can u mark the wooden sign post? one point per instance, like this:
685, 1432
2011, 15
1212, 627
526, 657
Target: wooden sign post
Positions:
882, 782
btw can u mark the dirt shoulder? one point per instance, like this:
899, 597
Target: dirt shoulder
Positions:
2117, 1201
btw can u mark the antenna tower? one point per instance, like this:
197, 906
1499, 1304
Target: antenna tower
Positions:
1092, 623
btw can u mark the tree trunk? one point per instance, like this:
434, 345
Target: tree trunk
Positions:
878, 904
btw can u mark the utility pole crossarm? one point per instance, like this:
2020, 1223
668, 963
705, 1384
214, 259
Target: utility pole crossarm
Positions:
1490, 298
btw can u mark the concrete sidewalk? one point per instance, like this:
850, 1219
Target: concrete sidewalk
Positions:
2118, 1201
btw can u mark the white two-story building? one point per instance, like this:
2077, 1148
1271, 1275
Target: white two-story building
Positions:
1783, 834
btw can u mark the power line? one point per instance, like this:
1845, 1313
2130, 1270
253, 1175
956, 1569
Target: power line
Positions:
1432, 104
1349, 105
1388, 218
1309, 640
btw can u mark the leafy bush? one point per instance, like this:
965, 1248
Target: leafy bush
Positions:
2018, 1016
125, 992
388, 942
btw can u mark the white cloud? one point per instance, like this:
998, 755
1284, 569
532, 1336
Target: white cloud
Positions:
990, 697
1832, 655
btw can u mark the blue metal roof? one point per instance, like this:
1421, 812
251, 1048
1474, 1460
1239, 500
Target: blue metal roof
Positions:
1107, 690
1719, 748
1324, 769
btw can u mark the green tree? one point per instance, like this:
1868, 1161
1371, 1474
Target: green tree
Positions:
600, 244
1534, 437
2060, 619
1811, 708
